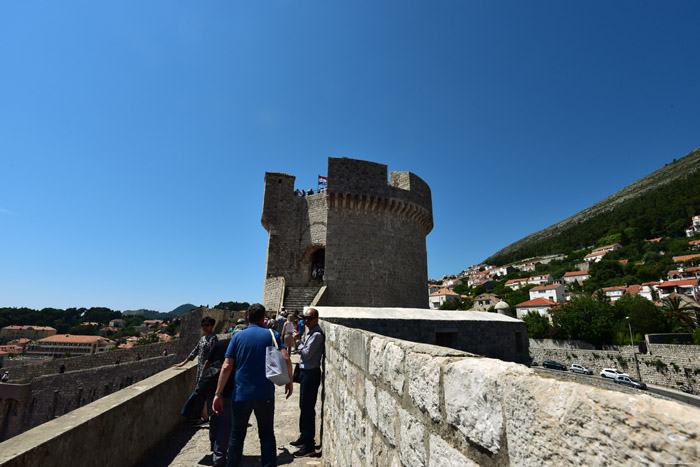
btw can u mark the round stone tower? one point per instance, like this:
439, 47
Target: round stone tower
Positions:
366, 234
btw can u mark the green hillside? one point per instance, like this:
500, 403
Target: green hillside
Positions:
660, 204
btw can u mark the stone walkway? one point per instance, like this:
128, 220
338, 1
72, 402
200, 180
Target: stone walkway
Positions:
189, 446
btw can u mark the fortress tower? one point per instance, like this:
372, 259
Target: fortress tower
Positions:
367, 233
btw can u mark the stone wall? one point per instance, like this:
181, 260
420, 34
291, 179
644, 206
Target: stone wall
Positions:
487, 334
663, 364
114, 431
29, 371
398, 403
51, 396
90, 377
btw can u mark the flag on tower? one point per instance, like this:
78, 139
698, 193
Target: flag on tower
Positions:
322, 181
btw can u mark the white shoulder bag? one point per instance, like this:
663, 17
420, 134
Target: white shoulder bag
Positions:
275, 364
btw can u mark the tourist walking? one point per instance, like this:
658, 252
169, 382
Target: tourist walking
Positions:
202, 350
252, 391
311, 352
288, 332
219, 423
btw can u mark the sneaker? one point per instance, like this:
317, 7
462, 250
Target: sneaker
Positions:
304, 452
298, 443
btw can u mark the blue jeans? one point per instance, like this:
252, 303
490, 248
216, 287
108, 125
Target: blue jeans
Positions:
265, 415
310, 381
220, 431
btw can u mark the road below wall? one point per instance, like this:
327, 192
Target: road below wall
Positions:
606, 383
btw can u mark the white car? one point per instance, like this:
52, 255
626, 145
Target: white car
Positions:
580, 369
612, 373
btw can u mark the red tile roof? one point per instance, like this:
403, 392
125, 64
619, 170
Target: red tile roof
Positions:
73, 338
694, 242
576, 273
684, 283
515, 281
685, 257
634, 289
654, 240
547, 287
537, 302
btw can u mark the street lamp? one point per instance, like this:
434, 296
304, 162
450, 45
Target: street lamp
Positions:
634, 353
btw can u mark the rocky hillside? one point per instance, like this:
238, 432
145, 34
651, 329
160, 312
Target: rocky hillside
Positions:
679, 169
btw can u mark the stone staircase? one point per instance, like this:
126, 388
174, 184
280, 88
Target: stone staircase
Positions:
296, 298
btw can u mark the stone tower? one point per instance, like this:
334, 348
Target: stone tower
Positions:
367, 233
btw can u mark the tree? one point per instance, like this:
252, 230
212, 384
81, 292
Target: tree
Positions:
590, 319
679, 314
537, 325
645, 318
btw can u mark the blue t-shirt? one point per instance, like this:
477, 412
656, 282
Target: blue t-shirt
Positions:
247, 348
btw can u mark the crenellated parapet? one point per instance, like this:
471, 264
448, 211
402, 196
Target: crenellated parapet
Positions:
364, 204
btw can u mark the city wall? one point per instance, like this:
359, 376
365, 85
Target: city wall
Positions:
394, 402
39, 393
117, 430
663, 364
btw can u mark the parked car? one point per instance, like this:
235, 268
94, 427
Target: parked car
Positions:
612, 373
580, 369
553, 365
627, 381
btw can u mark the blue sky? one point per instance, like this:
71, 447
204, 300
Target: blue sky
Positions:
134, 136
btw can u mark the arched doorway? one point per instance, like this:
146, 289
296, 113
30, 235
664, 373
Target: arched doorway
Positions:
318, 265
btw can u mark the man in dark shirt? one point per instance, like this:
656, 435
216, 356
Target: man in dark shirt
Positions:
220, 423
252, 391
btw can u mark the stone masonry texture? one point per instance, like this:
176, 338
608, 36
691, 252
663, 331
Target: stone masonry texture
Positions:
435, 406
370, 230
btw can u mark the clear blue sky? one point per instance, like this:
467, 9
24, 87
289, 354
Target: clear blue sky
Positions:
134, 136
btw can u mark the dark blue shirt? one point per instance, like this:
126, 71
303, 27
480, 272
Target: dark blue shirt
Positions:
247, 349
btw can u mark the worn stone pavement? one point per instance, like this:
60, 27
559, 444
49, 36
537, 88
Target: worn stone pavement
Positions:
189, 446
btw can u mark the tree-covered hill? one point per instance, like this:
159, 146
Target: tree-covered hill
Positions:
660, 204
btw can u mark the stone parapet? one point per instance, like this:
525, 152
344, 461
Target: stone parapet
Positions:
116, 430
394, 402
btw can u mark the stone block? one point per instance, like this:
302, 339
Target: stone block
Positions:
357, 349
342, 340
393, 367
424, 382
371, 401
412, 451
444, 455
376, 357
386, 415
473, 393
594, 426
350, 373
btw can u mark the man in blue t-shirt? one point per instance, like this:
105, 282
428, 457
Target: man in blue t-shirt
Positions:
252, 391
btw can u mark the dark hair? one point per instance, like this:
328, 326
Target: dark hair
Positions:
255, 313
208, 321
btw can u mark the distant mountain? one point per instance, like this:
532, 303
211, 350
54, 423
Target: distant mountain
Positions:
661, 203
153, 314
181, 310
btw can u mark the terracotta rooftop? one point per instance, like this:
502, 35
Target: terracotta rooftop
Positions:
576, 273
537, 302
546, 287
686, 257
685, 282
73, 338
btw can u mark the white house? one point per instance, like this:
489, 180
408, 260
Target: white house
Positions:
538, 305
441, 296
598, 253
648, 290
614, 293
542, 279
516, 284
695, 228
527, 266
576, 276
689, 287
552, 292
